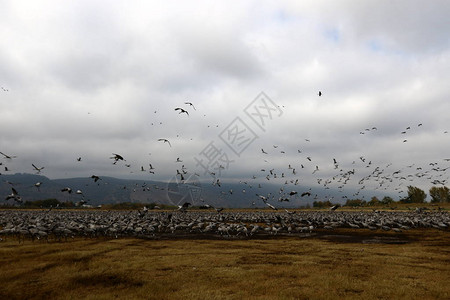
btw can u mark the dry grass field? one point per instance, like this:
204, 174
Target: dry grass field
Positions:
338, 265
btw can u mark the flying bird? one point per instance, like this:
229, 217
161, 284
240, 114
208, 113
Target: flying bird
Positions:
67, 189
14, 195
38, 185
190, 103
8, 156
184, 206
165, 141
117, 157
271, 206
37, 169
320, 93
334, 207
182, 110
95, 177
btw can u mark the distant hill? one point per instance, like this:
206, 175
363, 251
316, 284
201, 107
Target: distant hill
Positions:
109, 190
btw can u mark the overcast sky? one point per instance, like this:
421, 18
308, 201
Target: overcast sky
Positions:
92, 78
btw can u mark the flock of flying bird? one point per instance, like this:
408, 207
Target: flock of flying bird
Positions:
380, 177
362, 172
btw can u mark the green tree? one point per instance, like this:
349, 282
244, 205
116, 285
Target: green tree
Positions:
440, 194
387, 200
355, 202
415, 195
374, 201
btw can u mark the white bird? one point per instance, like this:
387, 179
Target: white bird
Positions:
38, 185
271, 206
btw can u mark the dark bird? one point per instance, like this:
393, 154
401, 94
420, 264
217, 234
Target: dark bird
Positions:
14, 195
79, 159
37, 169
184, 206
182, 110
67, 189
117, 157
305, 194
95, 177
320, 93
262, 150
293, 193
165, 141
190, 103
334, 207
8, 156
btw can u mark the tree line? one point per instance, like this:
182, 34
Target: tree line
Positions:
415, 195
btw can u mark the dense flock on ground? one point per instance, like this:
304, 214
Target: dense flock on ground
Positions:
61, 224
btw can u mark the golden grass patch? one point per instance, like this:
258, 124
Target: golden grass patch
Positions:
281, 268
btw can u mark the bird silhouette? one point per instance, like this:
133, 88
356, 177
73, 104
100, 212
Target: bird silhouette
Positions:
117, 157
190, 103
37, 169
8, 156
165, 141
67, 189
182, 110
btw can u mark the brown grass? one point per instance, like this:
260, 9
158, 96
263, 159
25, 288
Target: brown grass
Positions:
282, 268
